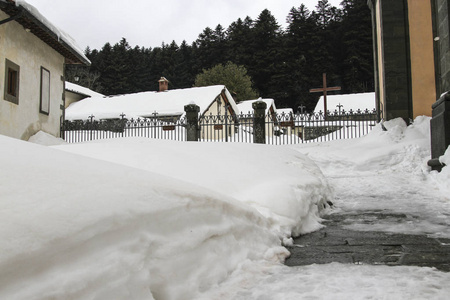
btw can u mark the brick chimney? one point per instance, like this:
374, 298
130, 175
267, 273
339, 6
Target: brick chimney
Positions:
163, 84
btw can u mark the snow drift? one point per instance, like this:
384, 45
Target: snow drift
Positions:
399, 147
73, 227
282, 184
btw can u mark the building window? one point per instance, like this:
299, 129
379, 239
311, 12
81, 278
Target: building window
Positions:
12, 75
44, 106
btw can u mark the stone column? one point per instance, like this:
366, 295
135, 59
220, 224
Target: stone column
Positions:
192, 128
440, 130
259, 122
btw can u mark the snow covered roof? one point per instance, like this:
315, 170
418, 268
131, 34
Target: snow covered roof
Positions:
245, 107
30, 18
78, 89
354, 102
145, 104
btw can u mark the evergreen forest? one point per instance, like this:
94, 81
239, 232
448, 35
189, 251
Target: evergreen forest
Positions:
283, 64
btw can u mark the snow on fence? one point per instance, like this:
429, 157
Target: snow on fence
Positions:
278, 129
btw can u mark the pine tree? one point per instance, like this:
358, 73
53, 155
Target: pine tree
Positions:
163, 64
102, 64
357, 60
305, 45
139, 79
283, 65
208, 45
239, 41
266, 60
184, 66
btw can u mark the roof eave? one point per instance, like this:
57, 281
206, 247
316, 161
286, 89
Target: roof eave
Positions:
28, 21
78, 93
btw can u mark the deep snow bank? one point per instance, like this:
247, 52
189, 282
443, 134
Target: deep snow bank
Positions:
400, 147
282, 184
73, 227
442, 179
387, 171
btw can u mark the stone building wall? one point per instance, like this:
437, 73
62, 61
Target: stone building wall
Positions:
393, 65
442, 29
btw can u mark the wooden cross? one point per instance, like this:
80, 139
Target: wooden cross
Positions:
325, 89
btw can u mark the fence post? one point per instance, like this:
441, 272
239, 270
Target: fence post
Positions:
259, 122
192, 128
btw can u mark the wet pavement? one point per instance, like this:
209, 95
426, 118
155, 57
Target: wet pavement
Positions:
335, 243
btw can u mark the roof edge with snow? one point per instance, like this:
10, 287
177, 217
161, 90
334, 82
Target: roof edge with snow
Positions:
81, 90
145, 104
30, 18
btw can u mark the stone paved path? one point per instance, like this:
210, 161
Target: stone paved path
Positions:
334, 243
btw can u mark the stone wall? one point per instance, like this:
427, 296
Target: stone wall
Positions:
392, 58
396, 59
442, 28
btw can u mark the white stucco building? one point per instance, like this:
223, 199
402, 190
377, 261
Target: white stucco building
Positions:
33, 53
167, 104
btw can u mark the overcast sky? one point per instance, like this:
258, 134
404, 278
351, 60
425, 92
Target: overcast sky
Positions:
148, 23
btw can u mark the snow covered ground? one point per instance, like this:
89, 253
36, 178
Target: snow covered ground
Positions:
74, 227
143, 219
282, 184
387, 170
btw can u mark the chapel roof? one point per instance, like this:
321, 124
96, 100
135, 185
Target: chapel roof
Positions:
146, 104
354, 102
246, 107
